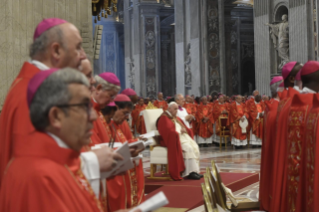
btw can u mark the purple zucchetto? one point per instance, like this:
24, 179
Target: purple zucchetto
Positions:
45, 25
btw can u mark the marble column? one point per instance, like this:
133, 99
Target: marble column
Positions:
180, 45
222, 51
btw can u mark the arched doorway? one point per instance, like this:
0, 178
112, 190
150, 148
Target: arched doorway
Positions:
248, 77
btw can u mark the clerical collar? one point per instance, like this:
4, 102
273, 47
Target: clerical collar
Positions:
297, 89
237, 103
180, 108
58, 141
306, 90
39, 65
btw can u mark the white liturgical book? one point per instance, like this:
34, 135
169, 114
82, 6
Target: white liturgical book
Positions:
155, 202
148, 135
243, 125
141, 144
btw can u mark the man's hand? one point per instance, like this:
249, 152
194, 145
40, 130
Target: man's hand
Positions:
142, 138
189, 118
107, 158
183, 130
134, 151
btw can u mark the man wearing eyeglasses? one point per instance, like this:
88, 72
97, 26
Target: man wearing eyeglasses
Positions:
45, 173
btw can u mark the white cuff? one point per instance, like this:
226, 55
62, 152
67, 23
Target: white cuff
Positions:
91, 170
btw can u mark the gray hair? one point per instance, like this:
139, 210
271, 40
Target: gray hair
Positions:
53, 91
106, 85
177, 96
273, 88
39, 46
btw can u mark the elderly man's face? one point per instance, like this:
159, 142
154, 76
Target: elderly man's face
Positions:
104, 97
255, 93
173, 110
181, 100
239, 99
160, 96
221, 100
189, 99
76, 125
121, 115
141, 101
72, 52
204, 100
86, 69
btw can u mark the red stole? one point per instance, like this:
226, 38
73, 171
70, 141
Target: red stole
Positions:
300, 107
278, 176
310, 166
15, 123
99, 133
44, 177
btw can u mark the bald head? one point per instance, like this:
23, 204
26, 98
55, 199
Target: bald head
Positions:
204, 100
179, 98
59, 47
255, 93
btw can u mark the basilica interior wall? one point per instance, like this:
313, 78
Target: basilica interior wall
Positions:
18, 19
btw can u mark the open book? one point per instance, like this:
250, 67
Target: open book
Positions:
155, 202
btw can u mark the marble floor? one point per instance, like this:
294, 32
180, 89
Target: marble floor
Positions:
245, 160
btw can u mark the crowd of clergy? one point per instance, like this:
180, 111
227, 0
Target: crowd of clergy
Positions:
60, 127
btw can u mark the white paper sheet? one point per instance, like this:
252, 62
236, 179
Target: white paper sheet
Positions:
155, 202
148, 135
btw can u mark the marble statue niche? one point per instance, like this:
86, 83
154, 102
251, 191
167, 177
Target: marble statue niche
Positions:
188, 73
132, 74
280, 36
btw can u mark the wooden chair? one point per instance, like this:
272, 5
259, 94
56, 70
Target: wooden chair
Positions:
224, 131
158, 154
223, 191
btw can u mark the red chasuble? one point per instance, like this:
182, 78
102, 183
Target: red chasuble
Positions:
138, 120
124, 191
310, 184
170, 139
267, 155
296, 142
192, 110
161, 104
139, 170
99, 133
217, 112
205, 130
235, 114
256, 124
44, 177
15, 123
278, 176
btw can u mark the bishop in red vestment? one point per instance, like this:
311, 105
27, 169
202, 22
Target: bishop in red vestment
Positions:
160, 102
205, 122
256, 110
192, 110
220, 109
15, 125
138, 119
237, 113
269, 138
52, 178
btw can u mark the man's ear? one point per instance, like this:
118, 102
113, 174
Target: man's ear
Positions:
56, 51
55, 116
291, 79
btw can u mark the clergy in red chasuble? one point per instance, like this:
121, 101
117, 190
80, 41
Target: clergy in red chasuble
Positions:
269, 138
220, 109
278, 180
191, 109
183, 152
160, 102
137, 116
61, 112
256, 111
127, 190
134, 98
15, 124
205, 121
238, 113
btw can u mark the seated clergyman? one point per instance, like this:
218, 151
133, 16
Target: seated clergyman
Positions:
183, 152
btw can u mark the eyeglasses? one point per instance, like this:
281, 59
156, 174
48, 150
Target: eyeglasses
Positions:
86, 106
